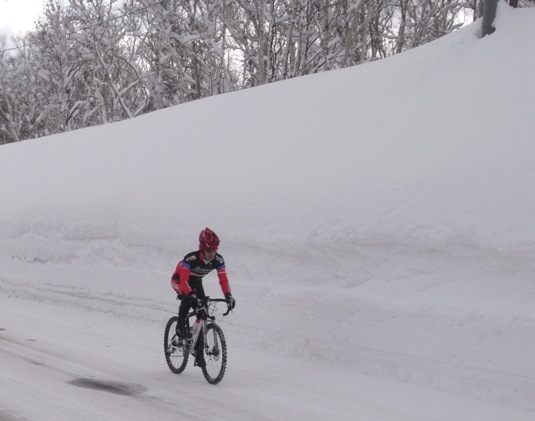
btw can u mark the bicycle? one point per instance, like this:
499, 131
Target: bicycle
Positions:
206, 343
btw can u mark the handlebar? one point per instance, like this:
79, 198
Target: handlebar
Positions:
220, 300
215, 300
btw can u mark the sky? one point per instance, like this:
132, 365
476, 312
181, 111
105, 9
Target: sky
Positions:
18, 16
377, 226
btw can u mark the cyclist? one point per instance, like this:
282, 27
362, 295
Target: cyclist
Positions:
187, 278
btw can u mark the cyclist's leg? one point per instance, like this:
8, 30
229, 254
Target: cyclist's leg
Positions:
197, 286
199, 354
182, 324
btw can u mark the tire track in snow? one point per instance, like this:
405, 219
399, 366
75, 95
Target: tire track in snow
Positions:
118, 305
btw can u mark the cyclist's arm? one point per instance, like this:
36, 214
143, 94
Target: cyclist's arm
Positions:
184, 279
180, 279
222, 275
175, 279
223, 280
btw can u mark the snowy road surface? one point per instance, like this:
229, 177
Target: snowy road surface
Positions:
68, 354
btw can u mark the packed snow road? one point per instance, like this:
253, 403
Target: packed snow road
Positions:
61, 360
70, 353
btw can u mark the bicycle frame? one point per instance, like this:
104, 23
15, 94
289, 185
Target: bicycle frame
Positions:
200, 326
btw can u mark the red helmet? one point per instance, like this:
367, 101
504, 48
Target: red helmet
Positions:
208, 239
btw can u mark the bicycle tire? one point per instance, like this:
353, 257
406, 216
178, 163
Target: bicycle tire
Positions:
176, 357
215, 354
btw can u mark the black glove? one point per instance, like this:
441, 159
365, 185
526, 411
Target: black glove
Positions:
231, 302
197, 305
194, 301
201, 313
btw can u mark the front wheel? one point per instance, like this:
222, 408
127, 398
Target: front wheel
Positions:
175, 349
215, 354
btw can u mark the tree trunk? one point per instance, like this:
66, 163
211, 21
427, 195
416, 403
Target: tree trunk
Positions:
489, 13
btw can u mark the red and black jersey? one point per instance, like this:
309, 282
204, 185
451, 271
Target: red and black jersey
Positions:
193, 267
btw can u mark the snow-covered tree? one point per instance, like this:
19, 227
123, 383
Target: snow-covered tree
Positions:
24, 107
98, 61
113, 81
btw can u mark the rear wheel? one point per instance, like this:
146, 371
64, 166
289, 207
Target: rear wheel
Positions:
215, 354
176, 352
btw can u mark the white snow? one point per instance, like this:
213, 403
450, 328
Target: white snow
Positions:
377, 224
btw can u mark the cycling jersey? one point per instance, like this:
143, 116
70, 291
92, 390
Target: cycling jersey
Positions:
194, 268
